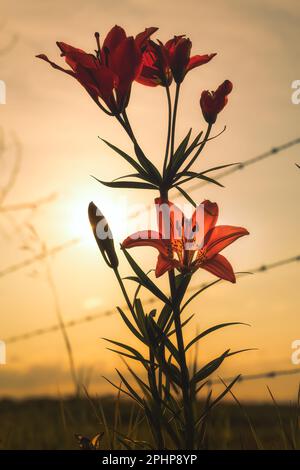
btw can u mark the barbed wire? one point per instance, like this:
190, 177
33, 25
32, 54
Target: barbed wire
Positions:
250, 161
38, 257
263, 375
150, 300
241, 166
28, 205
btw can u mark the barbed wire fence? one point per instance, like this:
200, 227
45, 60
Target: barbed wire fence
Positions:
38, 257
92, 317
89, 318
148, 301
251, 161
107, 313
263, 375
240, 166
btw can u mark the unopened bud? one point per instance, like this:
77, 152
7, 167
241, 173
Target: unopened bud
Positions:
103, 236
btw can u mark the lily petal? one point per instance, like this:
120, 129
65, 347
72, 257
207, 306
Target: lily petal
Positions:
163, 265
147, 238
142, 38
198, 60
75, 57
125, 62
113, 38
211, 214
221, 236
220, 267
170, 220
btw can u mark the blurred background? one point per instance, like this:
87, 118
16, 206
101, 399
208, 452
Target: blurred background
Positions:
50, 269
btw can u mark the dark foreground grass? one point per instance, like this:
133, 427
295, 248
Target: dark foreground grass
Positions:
52, 424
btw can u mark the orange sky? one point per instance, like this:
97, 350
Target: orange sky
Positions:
58, 125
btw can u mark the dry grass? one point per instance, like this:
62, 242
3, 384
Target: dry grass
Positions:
52, 424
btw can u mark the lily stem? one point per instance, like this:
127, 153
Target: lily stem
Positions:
174, 119
157, 431
185, 377
169, 129
124, 292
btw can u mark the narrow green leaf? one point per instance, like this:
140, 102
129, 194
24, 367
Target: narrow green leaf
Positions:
180, 162
203, 427
218, 399
143, 386
147, 164
182, 324
145, 280
192, 175
162, 337
135, 175
244, 412
180, 151
194, 143
173, 372
210, 330
179, 156
141, 317
124, 391
202, 289
128, 348
127, 355
220, 167
131, 326
209, 368
187, 196
182, 283
164, 316
242, 350
126, 157
129, 387
126, 184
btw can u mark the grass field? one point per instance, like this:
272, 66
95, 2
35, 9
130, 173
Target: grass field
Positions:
52, 424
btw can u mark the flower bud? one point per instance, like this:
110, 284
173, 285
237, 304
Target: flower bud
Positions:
103, 236
213, 102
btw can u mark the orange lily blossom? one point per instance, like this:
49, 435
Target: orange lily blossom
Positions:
188, 244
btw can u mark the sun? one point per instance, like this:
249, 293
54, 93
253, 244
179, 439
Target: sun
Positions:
77, 217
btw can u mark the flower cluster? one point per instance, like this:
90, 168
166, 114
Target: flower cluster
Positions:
108, 74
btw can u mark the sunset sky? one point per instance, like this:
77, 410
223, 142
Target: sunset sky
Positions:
57, 125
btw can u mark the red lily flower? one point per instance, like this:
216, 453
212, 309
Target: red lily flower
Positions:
213, 102
181, 63
109, 74
161, 62
185, 244
155, 69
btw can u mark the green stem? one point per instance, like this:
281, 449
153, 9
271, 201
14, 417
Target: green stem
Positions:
128, 128
124, 292
174, 120
157, 398
185, 377
169, 129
